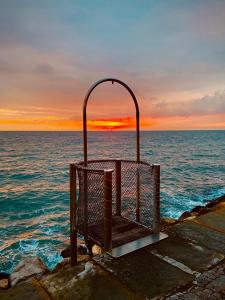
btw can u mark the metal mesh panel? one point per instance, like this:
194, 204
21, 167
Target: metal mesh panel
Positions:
137, 192
104, 165
128, 189
146, 195
93, 182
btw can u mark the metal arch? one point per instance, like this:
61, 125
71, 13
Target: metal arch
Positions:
85, 114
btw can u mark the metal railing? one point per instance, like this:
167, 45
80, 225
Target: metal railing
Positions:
109, 188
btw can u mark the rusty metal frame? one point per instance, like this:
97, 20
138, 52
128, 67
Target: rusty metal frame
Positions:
84, 165
118, 164
85, 115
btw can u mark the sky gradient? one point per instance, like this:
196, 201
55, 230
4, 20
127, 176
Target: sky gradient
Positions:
171, 53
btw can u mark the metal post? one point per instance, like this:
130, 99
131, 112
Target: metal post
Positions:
85, 203
85, 136
108, 210
73, 208
138, 134
138, 196
118, 188
156, 198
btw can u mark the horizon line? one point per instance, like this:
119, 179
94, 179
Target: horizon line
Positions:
156, 130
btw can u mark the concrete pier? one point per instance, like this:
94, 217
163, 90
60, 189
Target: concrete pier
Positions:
188, 265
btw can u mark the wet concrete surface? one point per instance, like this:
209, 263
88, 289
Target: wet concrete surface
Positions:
193, 255
145, 273
187, 265
198, 233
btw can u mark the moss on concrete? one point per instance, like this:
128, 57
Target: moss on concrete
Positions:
144, 273
65, 284
22, 291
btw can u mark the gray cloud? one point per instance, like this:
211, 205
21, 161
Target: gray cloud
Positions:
210, 104
207, 105
7, 68
43, 69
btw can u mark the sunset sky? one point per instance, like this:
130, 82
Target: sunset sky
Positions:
171, 53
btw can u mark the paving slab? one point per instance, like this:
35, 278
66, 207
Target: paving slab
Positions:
208, 285
199, 234
96, 285
214, 220
195, 257
221, 210
22, 291
144, 273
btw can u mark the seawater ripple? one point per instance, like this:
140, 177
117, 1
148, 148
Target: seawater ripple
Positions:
34, 177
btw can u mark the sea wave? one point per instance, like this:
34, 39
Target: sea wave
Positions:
34, 181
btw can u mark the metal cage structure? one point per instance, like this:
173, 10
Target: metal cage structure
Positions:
114, 203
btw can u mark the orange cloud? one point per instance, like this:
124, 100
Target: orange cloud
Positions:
56, 123
42, 123
120, 123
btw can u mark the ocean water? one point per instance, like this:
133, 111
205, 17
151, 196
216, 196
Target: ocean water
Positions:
34, 177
